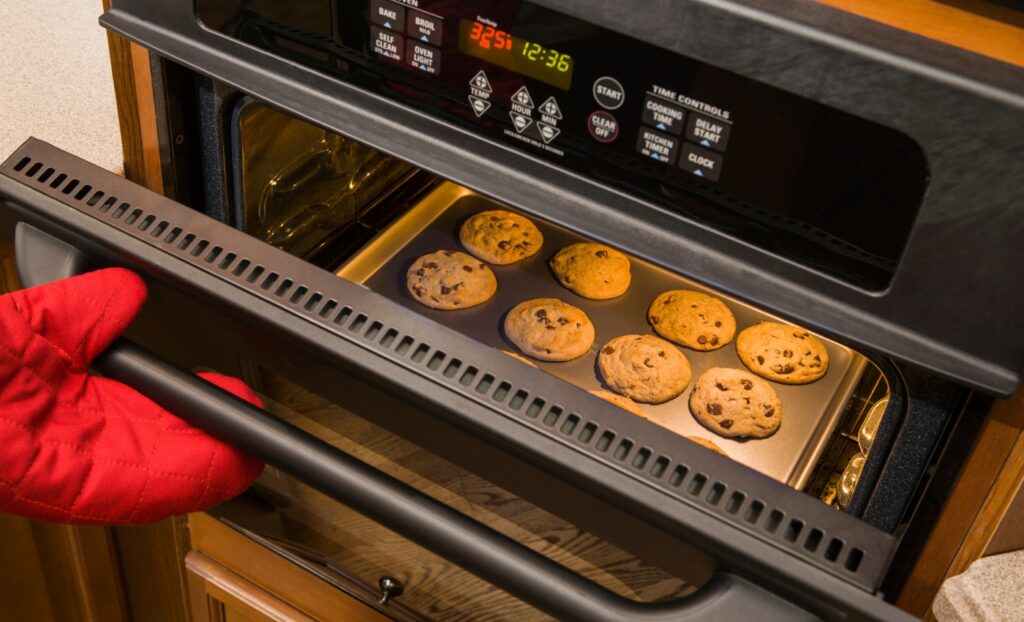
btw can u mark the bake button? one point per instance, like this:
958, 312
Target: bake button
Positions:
608, 92
708, 131
664, 116
424, 27
603, 127
387, 44
423, 57
657, 146
387, 14
701, 162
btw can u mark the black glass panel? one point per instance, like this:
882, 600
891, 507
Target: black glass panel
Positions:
829, 190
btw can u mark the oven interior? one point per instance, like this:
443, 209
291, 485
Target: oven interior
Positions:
361, 214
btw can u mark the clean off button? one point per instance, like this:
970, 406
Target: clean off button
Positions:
608, 92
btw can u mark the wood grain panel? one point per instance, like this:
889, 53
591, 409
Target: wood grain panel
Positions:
152, 559
284, 579
978, 499
218, 591
23, 591
979, 27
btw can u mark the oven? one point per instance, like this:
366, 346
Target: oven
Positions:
794, 163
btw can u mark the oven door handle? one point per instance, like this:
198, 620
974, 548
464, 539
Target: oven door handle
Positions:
488, 554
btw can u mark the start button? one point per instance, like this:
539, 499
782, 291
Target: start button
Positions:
608, 92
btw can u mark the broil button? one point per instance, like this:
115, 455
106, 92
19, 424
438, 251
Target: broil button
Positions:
603, 127
424, 27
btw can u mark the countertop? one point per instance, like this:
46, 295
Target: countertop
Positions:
56, 83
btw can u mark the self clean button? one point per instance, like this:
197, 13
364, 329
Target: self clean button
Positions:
608, 93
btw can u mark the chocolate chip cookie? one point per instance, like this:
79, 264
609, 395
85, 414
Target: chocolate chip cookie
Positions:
621, 401
644, 367
735, 403
703, 442
450, 280
592, 270
783, 353
692, 319
549, 329
500, 237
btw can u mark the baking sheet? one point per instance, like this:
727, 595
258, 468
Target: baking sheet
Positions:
810, 412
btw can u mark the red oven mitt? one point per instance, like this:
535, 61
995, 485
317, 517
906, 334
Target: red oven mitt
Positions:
78, 448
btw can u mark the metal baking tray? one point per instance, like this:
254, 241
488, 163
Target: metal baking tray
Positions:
810, 412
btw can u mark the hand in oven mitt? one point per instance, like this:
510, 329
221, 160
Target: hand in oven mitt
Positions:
78, 448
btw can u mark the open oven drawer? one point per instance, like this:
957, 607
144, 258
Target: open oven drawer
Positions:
763, 549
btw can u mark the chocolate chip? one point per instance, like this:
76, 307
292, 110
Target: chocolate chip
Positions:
760, 359
714, 340
661, 353
608, 350
562, 321
515, 225
718, 323
420, 272
725, 423
579, 324
747, 400
769, 411
549, 327
720, 386
541, 315
602, 254
783, 369
655, 319
693, 306
481, 266
746, 384
503, 244
430, 265
702, 340
670, 299
467, 268
648, 363
787, 353
714, 408
445, 290
817, 358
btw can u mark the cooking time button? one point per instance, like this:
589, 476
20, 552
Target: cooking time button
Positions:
701, 162
664, 116
708, 131
603, 127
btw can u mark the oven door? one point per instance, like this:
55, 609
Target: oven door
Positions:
348, 343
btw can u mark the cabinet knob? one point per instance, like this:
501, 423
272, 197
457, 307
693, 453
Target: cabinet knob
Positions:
390, 587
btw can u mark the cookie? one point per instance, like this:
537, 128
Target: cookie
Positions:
692, 319
644, 367
783, 353
621, 401
592, 270
500, 237
735, 403
703, 442
519, 357
450, 280
549, 329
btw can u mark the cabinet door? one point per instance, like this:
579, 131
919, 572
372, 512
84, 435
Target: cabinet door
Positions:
218, 595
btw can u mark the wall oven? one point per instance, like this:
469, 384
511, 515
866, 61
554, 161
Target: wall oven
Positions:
802, 165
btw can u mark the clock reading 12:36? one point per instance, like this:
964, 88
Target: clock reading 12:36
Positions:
515, 53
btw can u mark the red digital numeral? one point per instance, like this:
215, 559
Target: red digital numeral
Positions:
478, 28
488, 34
502, 40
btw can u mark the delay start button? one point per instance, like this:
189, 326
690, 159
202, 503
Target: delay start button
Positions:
603, 127
608, 92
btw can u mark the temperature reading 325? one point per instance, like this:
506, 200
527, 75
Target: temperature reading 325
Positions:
528, 58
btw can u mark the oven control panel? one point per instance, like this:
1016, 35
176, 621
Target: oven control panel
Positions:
788, 174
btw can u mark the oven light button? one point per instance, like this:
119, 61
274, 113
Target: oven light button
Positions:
423, 57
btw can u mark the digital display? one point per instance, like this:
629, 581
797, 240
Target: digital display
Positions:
527, 58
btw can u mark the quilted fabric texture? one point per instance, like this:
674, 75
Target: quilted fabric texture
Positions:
78, 448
